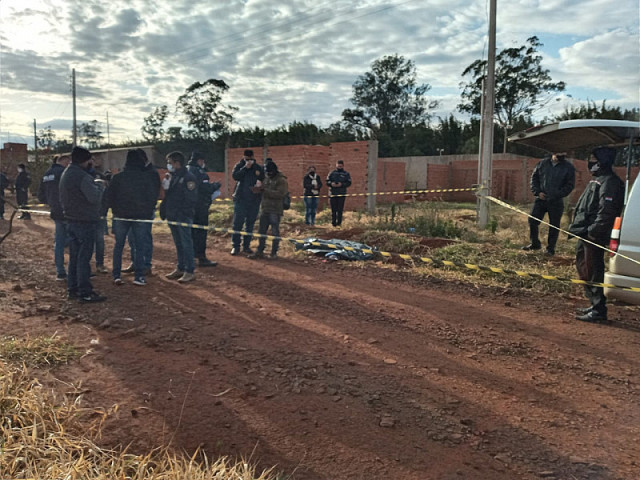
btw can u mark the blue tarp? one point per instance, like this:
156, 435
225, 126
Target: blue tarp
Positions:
336, 253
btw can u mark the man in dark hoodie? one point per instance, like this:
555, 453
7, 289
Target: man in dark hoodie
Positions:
338, 181
23, 180
274, 190
599, 205
49, 193
246, 200
81, 200
206, 189
132, 194
552, 179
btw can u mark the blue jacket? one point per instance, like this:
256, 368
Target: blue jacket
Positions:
246, 179
180, 200
339, 176
49, 191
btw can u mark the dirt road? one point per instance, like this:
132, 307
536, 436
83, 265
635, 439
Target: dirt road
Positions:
333, 371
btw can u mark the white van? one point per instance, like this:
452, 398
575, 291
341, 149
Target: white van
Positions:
575, 134
623, 272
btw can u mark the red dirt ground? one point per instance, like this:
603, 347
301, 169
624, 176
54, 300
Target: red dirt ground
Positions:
331, 371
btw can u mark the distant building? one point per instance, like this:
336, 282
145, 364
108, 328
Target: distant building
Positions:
114, 159
11, 155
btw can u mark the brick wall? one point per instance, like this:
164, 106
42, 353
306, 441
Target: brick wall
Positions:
391, 178
11, 155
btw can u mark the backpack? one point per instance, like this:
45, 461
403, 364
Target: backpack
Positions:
286, 202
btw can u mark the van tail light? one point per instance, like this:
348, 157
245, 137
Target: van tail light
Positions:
614, 243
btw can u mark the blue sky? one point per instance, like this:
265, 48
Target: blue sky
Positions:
288, 61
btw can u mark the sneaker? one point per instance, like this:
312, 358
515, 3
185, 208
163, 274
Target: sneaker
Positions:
93, 297
101, 269
205, 262
61, 277
118, 281
247, 250
187, 277
582, 311
273, 256
593, 317
176, 274
140, 281
549, 252
72, 295
93, 275
256, 255
531, 246
235, 251
129, 269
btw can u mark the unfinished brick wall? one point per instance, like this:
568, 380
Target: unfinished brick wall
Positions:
391, 178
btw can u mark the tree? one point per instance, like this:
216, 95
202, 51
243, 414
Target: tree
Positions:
152, 130
90, 135
522, 85
591, 110
201, 106
387, 98
47, 138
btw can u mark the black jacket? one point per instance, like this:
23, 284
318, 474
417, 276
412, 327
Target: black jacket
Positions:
80, 197
180, 200
133, 192
4, 183
246, 178
555, 181
599, 205
308, 187
49, 191
341, 176
23, 180
205, 187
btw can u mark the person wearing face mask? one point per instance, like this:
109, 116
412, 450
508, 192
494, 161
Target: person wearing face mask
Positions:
274, 189
81, 199
206, 189
599, 205
552, 179
338, 180
23, 180
246, 200
178, 205
311, 184
4, 183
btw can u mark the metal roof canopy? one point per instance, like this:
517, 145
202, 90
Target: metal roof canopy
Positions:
574, 134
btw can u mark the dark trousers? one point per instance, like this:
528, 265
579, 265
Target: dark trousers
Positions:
135, 231
147, 245
337, 206
266, 220
311, 204
554, 208
590, 265
101, 230
2, 204
244, 217
184, 246
82, 237
22, 198
199, 235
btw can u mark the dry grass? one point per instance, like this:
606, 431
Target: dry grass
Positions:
47, 436
36, 352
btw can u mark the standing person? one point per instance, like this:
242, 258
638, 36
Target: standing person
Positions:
81, 199
4, 183
147, 244
246, 200
206, 190
101, 231
274, 188
131, 195
312, 185
599, 205
552, 179
338, 180
179, 204
23, 180
49, 193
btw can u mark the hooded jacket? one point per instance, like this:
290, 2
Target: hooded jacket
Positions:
80, 197
246, 179
275, 189
133, 192
49, 191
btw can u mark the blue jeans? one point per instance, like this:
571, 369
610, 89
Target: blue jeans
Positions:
312, 205
60, 241
147, 245
100, 229
244, 216
267, 219
82, 237
135, 230
184, 246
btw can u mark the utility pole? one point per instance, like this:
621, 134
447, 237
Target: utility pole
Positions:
108, 141
73, 93
35, 140
487, 121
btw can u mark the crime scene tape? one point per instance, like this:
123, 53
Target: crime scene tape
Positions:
428, 260
510, 207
